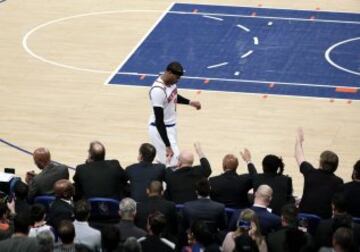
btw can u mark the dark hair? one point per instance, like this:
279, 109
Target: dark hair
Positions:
66, 231
110, 238
157, 222
244, 243
82, 210
339, 202
344, 238
201, 232
273, 164
148, 152
356, 172
289, 213
131, 245
329, 161
21, 190
22, 223
3, 208
295, 240
37, 212
175, 68
203, 187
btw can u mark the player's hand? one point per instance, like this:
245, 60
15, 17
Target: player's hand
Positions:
169, 154
246, 155
300, 135
195, 104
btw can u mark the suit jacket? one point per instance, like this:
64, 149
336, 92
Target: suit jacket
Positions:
231, 189
156, 203
140, 175
180, 184
100, 179
43, 183
128, 229
60, 210
324, 232
351, 191
280, 184
19, 244
204, 209
276, 240
269, 222
319, 188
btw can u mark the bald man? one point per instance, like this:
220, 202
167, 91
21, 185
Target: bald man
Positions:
231, 188
181, 182
43, 183
98, 177
268, 221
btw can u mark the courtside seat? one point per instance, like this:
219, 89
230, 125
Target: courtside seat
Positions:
309, 222
104, 209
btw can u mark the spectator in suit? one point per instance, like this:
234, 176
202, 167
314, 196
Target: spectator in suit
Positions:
66, 232
43, 183
269, 222
61, 208
20, 242
231, 188
99, 177
272, 176
289, 238
84, 234
247, 227
319, 184
21, 197
340, 218
351, 191
181, 182
110, 239
153, 241
142, 173
342, 242
153, 203
126, 226
131, 245
204, 209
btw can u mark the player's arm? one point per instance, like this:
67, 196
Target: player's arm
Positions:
183, 100
160, 125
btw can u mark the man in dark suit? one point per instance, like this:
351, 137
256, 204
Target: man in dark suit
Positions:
269, 222
230, 188
204, 209
61, 208
272, 176
154, 203
142, 173
289, 237
126, 226
340, 218
351, 191
43, 183
319, 184
180, 184
99, 177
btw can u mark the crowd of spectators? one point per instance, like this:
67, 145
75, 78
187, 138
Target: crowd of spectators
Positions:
233, 211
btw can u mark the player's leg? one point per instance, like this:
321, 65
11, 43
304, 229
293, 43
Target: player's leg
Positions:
156, 140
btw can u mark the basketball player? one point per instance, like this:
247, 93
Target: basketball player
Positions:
162, 125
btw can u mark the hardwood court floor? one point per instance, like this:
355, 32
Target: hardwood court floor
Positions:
63, 109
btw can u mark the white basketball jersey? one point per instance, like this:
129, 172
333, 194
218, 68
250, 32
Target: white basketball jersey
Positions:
164, 97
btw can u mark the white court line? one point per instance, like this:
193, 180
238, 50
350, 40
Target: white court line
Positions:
217, 65
331, 62
138, 44
243, 80
256, 40
268, 17
243, 27
214, 18
246, 54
